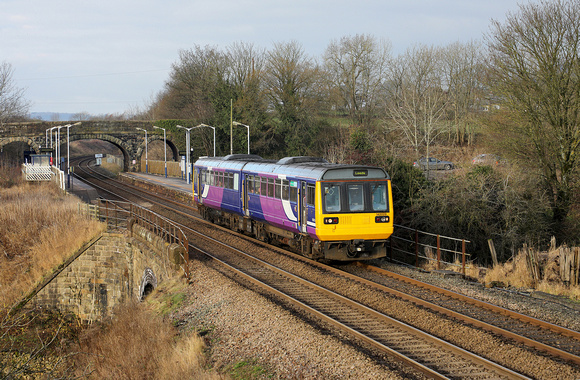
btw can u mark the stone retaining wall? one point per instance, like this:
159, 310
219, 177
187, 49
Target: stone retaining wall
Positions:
107, 272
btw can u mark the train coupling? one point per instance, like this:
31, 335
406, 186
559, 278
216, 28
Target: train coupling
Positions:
356, 247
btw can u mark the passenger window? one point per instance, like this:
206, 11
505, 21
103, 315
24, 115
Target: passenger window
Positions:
285, 190
355, 197
331, 198
271, 187
293, 194
278, 191
264, 188
310, 195
379, 197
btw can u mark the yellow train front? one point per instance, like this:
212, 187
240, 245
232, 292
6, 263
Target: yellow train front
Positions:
354, 214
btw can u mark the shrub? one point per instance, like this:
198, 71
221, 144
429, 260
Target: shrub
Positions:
485, 203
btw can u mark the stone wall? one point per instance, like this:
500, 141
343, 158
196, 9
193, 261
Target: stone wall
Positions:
110, 270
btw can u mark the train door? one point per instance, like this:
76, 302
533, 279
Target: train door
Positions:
199, 182
303, 209
245, 195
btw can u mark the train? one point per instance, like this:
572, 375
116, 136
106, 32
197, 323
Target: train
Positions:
321, 210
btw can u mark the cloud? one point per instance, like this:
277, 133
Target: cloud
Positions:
86, 39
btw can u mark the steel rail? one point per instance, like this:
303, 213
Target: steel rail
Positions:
497, 309
496, 368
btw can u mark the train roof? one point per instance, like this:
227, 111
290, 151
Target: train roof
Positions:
301, 166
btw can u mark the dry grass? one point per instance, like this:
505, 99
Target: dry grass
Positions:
140, 344
517, 273
39, 228
513, 273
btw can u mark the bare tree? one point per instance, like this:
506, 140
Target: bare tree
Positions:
12, 101
417, 99
356, 67
291, 84
534, 69
462, 64
247, 65
195, 80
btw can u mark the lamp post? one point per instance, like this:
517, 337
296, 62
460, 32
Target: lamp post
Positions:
46, 137
146, 163
50, 141
68, 150
209, 126
247, 126
164, 147
188, 169
58, 145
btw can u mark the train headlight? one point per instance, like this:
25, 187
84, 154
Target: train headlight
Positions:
333, 220
382, 219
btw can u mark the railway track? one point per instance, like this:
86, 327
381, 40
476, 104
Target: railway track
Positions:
548, 337
372, 323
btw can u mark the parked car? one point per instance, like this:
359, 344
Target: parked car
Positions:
433, 164
487, 159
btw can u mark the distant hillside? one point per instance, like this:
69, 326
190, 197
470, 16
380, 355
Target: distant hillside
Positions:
52, 116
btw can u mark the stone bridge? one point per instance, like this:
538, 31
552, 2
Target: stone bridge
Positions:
122, 134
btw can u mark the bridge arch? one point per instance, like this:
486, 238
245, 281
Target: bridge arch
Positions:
33, 143
131, 149
173, 153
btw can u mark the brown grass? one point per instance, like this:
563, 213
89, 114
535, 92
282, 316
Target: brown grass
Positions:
516, 273
513, 273
140, 344
39, 228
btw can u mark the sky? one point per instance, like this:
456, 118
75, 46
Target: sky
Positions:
109, 57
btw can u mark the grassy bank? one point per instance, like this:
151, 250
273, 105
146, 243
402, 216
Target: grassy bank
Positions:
39, 228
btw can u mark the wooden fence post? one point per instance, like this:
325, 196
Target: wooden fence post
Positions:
492, 250
416, 248
438, 252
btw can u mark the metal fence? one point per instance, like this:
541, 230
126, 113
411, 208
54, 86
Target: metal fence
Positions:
427, 246
116, 214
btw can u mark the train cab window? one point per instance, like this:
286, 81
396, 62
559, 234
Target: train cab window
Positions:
379, 197
264, 187
310, 195
356, 200
285, 190
271, 187
331, 198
